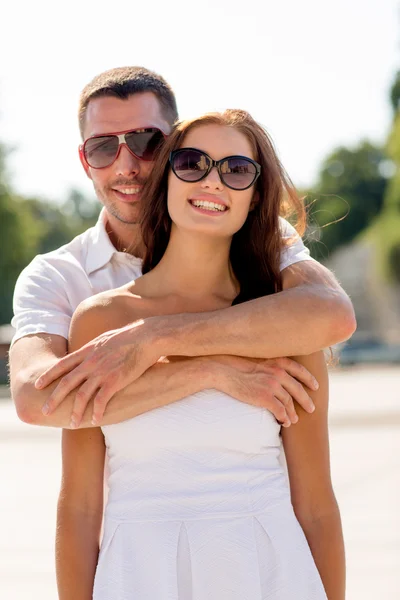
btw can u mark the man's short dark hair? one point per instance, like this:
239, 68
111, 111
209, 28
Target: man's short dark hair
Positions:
123, 82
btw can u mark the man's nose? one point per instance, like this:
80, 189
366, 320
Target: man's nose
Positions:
126, 163
213, 180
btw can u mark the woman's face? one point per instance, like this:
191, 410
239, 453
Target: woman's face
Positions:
186, 199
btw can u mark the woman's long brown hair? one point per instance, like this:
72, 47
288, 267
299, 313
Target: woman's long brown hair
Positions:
257, 246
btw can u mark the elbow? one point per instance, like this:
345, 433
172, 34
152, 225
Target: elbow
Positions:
337, 318
26, 400
314, 516
343, 319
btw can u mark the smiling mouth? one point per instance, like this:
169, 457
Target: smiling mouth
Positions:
208, 205
129, 191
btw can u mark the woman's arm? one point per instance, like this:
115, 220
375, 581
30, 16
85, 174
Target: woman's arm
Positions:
80, 504
79, 513
307, 454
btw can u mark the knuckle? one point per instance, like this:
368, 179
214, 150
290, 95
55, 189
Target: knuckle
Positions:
64, 382
111, 378
80, 396
100, 401
91, 361
302, 373
290, 404
299, 388
275, 385
278, 371
265, 398
101, 396
282, 362
280, 413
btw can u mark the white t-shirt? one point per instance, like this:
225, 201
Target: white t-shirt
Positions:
50, 288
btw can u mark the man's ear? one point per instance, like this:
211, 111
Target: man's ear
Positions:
254, 201
83, 162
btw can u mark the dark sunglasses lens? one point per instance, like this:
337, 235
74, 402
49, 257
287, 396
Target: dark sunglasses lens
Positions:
238, 173
101, 151
190, 165
144, 144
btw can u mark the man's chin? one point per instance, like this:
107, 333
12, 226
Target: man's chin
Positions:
127, 214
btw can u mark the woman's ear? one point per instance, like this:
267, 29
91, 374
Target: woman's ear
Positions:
254, 201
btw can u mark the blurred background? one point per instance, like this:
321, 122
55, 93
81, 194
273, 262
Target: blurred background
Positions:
323, 77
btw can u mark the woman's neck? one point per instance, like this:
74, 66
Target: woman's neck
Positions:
194, 266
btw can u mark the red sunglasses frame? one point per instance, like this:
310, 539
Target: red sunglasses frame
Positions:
122, 142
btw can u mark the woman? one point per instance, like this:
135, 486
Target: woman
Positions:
199, 507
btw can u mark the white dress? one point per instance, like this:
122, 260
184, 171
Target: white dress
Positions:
199, 508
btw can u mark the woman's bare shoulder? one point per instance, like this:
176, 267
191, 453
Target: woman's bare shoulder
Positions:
106, 311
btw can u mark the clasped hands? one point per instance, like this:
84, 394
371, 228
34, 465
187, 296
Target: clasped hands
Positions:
115, 359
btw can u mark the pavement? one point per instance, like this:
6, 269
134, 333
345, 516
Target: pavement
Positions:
365, 458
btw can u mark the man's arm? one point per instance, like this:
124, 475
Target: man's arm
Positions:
311, 313
160, 385
271, 384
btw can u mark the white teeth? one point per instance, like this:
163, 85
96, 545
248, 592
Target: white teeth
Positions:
209, 205
129, 191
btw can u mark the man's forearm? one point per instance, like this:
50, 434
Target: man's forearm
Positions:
160, 385
297, 321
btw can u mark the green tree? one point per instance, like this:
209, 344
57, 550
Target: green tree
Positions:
384, 232
19, 234
347, 197
29, 226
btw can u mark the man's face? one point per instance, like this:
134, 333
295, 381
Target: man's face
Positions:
118, 187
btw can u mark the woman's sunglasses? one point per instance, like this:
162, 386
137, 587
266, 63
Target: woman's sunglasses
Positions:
101, 151
236, 172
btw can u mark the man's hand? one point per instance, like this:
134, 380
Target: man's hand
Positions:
274, 384
100, 369
114, 359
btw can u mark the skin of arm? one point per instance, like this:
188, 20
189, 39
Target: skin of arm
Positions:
272, 384
307, 454
80, 505
79, 512
311, 313
162, 384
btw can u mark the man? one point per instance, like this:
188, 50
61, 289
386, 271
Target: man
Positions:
117, 376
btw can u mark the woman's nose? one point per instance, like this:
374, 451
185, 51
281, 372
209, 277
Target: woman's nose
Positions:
213, 179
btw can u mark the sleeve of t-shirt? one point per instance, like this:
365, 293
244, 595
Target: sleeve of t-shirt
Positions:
295, 251
41, 304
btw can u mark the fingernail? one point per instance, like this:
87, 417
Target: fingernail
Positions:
315, 384
73, 423
286, 424
295, 419
94, 421
45, 409
38, 383
312, 408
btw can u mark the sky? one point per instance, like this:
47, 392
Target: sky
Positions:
316, 73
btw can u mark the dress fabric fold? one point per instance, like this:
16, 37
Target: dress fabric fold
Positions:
199, 508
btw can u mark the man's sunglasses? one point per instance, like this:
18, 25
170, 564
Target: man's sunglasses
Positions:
236, 172
101, 151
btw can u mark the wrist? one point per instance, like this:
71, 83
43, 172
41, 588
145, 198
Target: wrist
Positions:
170, 335
213, 374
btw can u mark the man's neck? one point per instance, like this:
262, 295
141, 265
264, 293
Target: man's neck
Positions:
125, 237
